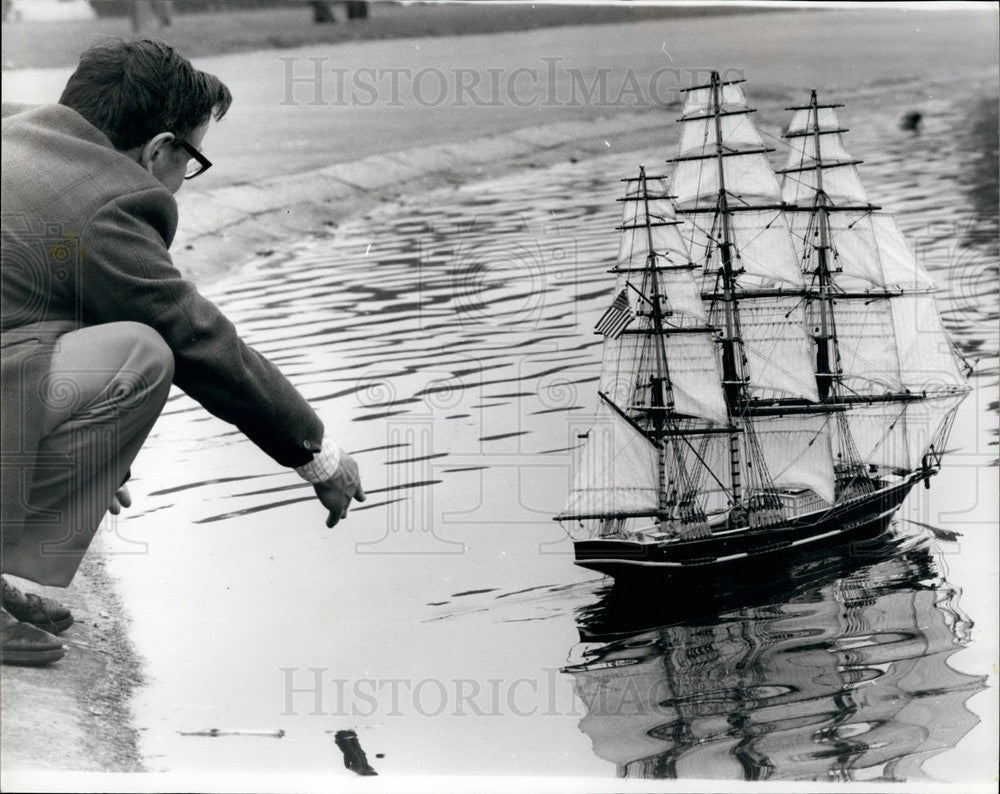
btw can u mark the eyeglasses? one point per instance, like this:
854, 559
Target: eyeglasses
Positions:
199, 165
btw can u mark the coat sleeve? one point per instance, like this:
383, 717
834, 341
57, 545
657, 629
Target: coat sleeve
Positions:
127, 274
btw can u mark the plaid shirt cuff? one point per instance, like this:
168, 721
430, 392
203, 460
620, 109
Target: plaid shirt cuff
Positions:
323, 465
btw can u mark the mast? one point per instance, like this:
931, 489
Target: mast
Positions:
773, 316
660, 381
826, 340
661, 393
732, 364
753, 288
882, 357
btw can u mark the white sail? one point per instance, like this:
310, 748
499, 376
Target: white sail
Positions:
686, 359
636, 201
749, 182
762, 250
700, 136
839, 175
667, 242
682, 299
695, 377
616, 471
803, 119
841, 184
802, 142
700, 100
626, 364
866, 343
749, 178
706, 458
868, 251
927, 361
631, 360
898, 435
797, 452
892, 345
779, 354
802, 150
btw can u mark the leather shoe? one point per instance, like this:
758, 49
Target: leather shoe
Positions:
45, 613
22, 643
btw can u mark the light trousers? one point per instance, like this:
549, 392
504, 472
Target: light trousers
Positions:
105, 388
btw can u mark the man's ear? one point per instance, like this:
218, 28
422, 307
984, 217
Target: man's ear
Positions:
154, 149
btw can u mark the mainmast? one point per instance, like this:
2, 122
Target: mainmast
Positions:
734, 384
753, 288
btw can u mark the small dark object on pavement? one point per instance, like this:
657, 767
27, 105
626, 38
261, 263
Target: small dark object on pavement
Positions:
354, 757
911, 122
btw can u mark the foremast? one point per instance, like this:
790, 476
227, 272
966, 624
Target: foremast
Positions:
661, 400
671, 327
660, 382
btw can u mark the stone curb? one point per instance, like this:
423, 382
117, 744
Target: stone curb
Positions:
225, 227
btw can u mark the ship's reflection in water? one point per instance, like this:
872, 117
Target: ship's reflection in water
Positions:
837, 672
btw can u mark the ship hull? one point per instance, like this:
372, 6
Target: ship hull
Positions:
739, 549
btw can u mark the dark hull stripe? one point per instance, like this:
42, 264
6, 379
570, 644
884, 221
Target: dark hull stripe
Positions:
858, 519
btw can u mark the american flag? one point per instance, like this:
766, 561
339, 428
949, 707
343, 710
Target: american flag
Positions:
616, 318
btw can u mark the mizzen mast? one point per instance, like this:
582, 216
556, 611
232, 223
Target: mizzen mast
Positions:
881, 354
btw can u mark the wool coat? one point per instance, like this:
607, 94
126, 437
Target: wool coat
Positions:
85, 238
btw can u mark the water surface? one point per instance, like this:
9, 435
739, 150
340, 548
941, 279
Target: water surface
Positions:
447, 341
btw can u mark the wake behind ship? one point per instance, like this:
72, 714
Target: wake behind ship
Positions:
775, 374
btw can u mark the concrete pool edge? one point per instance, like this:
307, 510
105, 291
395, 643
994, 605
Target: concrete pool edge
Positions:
77, 714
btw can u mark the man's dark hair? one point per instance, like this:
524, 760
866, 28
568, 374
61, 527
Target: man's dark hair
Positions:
133, 90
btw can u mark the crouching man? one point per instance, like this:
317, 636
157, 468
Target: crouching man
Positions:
97, 323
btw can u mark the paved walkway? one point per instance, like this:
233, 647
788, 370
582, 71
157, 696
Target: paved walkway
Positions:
322, 131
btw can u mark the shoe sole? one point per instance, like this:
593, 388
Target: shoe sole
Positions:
32, 658
51, 626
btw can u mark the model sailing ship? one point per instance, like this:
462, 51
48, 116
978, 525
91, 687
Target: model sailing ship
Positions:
775, 374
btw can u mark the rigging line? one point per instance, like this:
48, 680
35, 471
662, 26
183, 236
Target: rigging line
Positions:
776, 138
603, 471
739, 198
886, 432
756, 236
638, 292
705, 466
775, 219
746, 243
701, 229
757, 346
